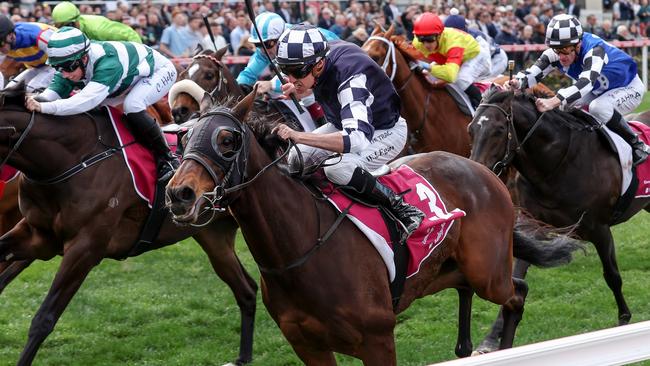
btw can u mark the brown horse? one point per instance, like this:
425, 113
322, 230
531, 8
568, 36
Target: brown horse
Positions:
556, 154
91, 212
435, 122
212, 75
333, 295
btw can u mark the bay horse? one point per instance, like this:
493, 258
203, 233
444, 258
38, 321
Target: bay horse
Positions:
212, 75
434, 119
333, 296
556, 155
93, 214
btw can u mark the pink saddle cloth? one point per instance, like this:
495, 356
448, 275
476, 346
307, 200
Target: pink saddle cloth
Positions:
139, 160
642, 170
424, 240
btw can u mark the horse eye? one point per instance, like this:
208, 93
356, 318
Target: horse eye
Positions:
209, 76
184, 110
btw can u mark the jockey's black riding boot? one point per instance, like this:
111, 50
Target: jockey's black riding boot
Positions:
370, 190
149, 133
619, 125
474, 95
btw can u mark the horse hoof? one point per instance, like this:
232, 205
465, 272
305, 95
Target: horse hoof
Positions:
478, 353
624, 320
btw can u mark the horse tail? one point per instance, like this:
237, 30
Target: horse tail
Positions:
542, 245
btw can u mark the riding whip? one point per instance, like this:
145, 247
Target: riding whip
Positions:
511, 66
275, 70
207, 25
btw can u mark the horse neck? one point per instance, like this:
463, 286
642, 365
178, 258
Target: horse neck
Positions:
276, 213
547, 147
53, 145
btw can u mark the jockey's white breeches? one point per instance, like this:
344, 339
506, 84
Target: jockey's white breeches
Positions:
149, 90
499, 64
384, 147
624, 99
36, 78
477, 68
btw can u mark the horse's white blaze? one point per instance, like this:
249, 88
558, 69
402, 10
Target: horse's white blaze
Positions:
480, 121
193, 70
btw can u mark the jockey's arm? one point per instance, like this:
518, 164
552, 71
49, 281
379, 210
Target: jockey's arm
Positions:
47, 95
593, 62
91, 96
538, 71
254, 69
449, 70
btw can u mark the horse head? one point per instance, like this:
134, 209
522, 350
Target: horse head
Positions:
206, 73
214, 160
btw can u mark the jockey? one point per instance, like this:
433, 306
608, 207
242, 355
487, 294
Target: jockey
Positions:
109, 73
271, 26
95, 27
606, 78
498, 56
456, 56
362, 107
27, 43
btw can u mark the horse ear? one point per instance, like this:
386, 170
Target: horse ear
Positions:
245, 105
390, 31
220, 52
206, 103
376, 31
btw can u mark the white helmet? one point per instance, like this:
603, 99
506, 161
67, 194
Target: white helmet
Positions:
563, 30
270, 25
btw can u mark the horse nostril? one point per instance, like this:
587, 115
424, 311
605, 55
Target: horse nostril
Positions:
185, 194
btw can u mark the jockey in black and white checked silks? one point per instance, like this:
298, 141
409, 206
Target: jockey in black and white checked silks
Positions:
563, 30
301, 44
361, 105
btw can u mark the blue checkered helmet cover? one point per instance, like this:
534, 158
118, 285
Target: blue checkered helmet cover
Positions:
302, 44
563, 30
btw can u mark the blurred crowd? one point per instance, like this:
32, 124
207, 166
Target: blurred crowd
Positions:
177, 29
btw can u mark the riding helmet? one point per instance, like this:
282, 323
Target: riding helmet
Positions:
563, 30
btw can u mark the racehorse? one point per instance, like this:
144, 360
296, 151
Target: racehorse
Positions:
212, 75
327, 289
91, 212
434, 120
556, 154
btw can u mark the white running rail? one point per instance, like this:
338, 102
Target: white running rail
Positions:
615, 346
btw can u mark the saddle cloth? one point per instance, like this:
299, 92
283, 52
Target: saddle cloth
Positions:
461, 98
139, 160
424, 240
643, 170
7, 174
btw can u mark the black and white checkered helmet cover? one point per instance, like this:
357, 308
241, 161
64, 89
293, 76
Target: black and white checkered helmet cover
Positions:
563, 30
301, 44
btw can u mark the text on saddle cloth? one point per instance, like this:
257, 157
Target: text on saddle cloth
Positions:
642, 170
424, 240
139, 160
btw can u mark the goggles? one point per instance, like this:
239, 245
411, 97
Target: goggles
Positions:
69, 66
297, 71
270, 44
567, 50
428, 39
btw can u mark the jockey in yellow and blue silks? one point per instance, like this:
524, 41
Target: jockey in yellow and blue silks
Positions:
271, 26
605, 78
456, 57
27, 43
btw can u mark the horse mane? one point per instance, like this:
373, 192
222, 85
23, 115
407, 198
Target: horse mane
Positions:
14, 95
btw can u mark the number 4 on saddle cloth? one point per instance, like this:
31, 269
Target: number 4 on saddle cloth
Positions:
428, 236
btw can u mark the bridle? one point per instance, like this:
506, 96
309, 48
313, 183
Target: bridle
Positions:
513, 146
391, 60
223, 83
234, 166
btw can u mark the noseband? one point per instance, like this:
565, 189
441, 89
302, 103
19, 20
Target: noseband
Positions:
511, 137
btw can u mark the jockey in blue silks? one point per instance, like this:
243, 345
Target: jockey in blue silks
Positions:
606, 78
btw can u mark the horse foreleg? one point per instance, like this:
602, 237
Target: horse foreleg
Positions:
219, 246
77, 262
492, 340
604, 242
24, 242
464, 340
513, 311
379, 349
9, 271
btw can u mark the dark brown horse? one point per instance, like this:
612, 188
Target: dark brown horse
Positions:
337, 298
556, 154
435, 122
92, 214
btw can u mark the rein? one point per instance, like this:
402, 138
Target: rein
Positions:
511, 136
22, 137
